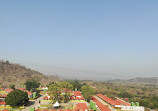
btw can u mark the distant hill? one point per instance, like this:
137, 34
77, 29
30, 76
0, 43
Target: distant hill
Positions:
18, 74
151, 80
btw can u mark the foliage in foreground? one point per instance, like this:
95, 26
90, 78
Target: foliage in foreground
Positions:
32, 85
60, 91
87, 92
17, 98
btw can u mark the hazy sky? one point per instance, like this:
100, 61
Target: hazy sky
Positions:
84, 38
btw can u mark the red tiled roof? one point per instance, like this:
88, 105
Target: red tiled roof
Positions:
8, 90
74, 109
101, 106
77, 93
123, 102
108, 100
45, 98
37, 110
59, 110
2, 103
76, 98
22, 88
3, 96
52, 110
45, 110
67, 110
81, 106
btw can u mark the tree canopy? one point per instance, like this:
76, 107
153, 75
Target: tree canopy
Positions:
87, 92
17, 98
32, 85
60, 91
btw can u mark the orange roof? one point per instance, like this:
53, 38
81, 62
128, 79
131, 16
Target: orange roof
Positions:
45, 98
3, 96
67, 109
101, 106
74, 109
45, 110
59, 110
22, 88
37, 110
8, 90
123, 102
81, 106
2, 103
108, 100
52, 110
77, 93
76, 98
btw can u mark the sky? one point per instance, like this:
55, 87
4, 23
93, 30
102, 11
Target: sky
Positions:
86, 39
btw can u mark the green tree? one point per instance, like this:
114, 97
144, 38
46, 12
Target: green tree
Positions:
12, 86
87, 92
17, 98
60, 91
55, 91
7, 62
32, 85
77, 85
66, 87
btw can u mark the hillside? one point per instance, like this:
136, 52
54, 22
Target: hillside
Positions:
18, 74
150, 81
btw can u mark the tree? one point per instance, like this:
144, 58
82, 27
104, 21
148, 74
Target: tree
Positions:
7, 62
60, 91
87, 92
77, 85
12, 86
66, 87
17, 98
55, 91
32, 85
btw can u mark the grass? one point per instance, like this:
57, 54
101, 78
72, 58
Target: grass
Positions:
46, 105
77, 101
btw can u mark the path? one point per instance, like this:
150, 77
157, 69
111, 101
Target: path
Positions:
36, 104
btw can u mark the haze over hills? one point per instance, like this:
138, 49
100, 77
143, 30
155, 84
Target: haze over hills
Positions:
18, 74
139, 80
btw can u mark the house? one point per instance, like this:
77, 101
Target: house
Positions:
2, 103
30, 94
82, 106
8, 90
3, 95
45, 98
44, 88
77, 96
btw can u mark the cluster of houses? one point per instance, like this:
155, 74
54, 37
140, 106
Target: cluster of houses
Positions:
117, 104
111, 104
77, 107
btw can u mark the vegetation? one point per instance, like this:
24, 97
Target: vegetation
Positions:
12, 86
32, 85
77, 85
18, 74
17, 98
145, 94
60, 91
87, 92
